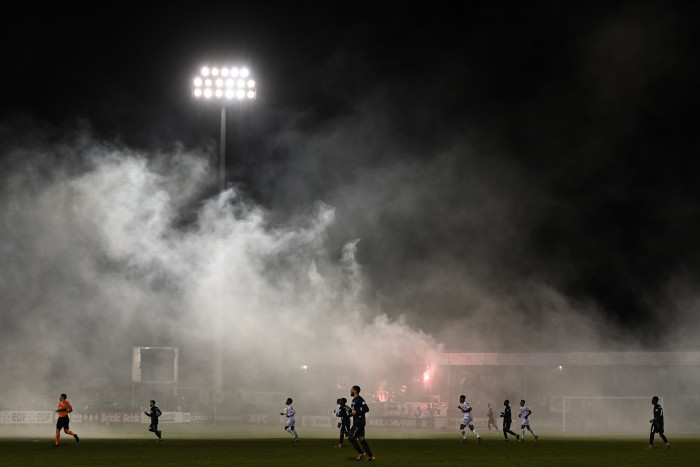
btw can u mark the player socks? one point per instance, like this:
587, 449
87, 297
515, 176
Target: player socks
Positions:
353, 441
58, 435
464, 434
366, 446
476, 434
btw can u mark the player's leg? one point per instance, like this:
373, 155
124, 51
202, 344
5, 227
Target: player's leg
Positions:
478, 438
352, 438
463, 431
69, 432
529, 428
363, 442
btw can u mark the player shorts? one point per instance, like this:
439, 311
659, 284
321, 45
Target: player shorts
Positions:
525, 422
291, 421
153, 427
62, 423
656, 428
506, 426
467, 421
357, 431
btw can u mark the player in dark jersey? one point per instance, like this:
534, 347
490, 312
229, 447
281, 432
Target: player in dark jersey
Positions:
358, 409
154, 414
343, 412
657, 424
507, 420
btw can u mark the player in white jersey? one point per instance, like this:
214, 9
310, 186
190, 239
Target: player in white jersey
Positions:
467, 420
525, 415
291, 419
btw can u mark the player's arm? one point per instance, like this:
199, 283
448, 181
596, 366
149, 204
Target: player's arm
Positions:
528, 413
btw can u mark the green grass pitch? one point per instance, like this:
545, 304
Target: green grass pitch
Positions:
227, 446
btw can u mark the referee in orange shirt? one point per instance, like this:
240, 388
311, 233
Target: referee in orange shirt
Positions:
64, 408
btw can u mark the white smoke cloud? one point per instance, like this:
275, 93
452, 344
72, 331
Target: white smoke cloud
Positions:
100, 255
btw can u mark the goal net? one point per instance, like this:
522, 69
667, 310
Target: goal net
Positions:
600, 413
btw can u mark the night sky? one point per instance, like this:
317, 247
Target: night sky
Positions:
530, 156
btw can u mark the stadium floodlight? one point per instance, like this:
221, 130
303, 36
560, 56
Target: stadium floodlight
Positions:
236, 79
225, 85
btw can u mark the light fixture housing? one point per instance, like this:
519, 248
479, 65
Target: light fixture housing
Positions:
224, 83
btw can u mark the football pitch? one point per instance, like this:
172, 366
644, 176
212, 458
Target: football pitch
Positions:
212, 447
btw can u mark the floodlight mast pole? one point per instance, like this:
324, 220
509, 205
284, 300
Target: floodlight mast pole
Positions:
217, 382
222, 151
225, 85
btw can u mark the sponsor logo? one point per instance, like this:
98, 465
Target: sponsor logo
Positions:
120, 417
259, 419
8, 417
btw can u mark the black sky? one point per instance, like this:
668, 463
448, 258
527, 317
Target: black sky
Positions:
530, 142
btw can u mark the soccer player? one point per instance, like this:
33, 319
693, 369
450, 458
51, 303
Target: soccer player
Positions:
467, 420
359, 408
154, 414
291, 419
343, 412
507, 420
657, 424
525, 415
492, 420
64, 408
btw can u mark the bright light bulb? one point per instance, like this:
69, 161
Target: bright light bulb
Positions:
224, 72
219, 83
205, 71
251, 83
229, 83
244, 72
251, 94
207, 82
240, 94
240, 83
234, 72
198, 82
215, 72
207, 93
229, 94
197, 92
219, 93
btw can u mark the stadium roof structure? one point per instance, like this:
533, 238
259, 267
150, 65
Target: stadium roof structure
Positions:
570, 359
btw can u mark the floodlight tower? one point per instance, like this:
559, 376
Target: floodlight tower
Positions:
222, 85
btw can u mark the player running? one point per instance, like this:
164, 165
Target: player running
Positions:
467, 420
358, 409
154, 414
507, 420
64, 408
657, 424
525, 415
343, 412
492, 420
291, 419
